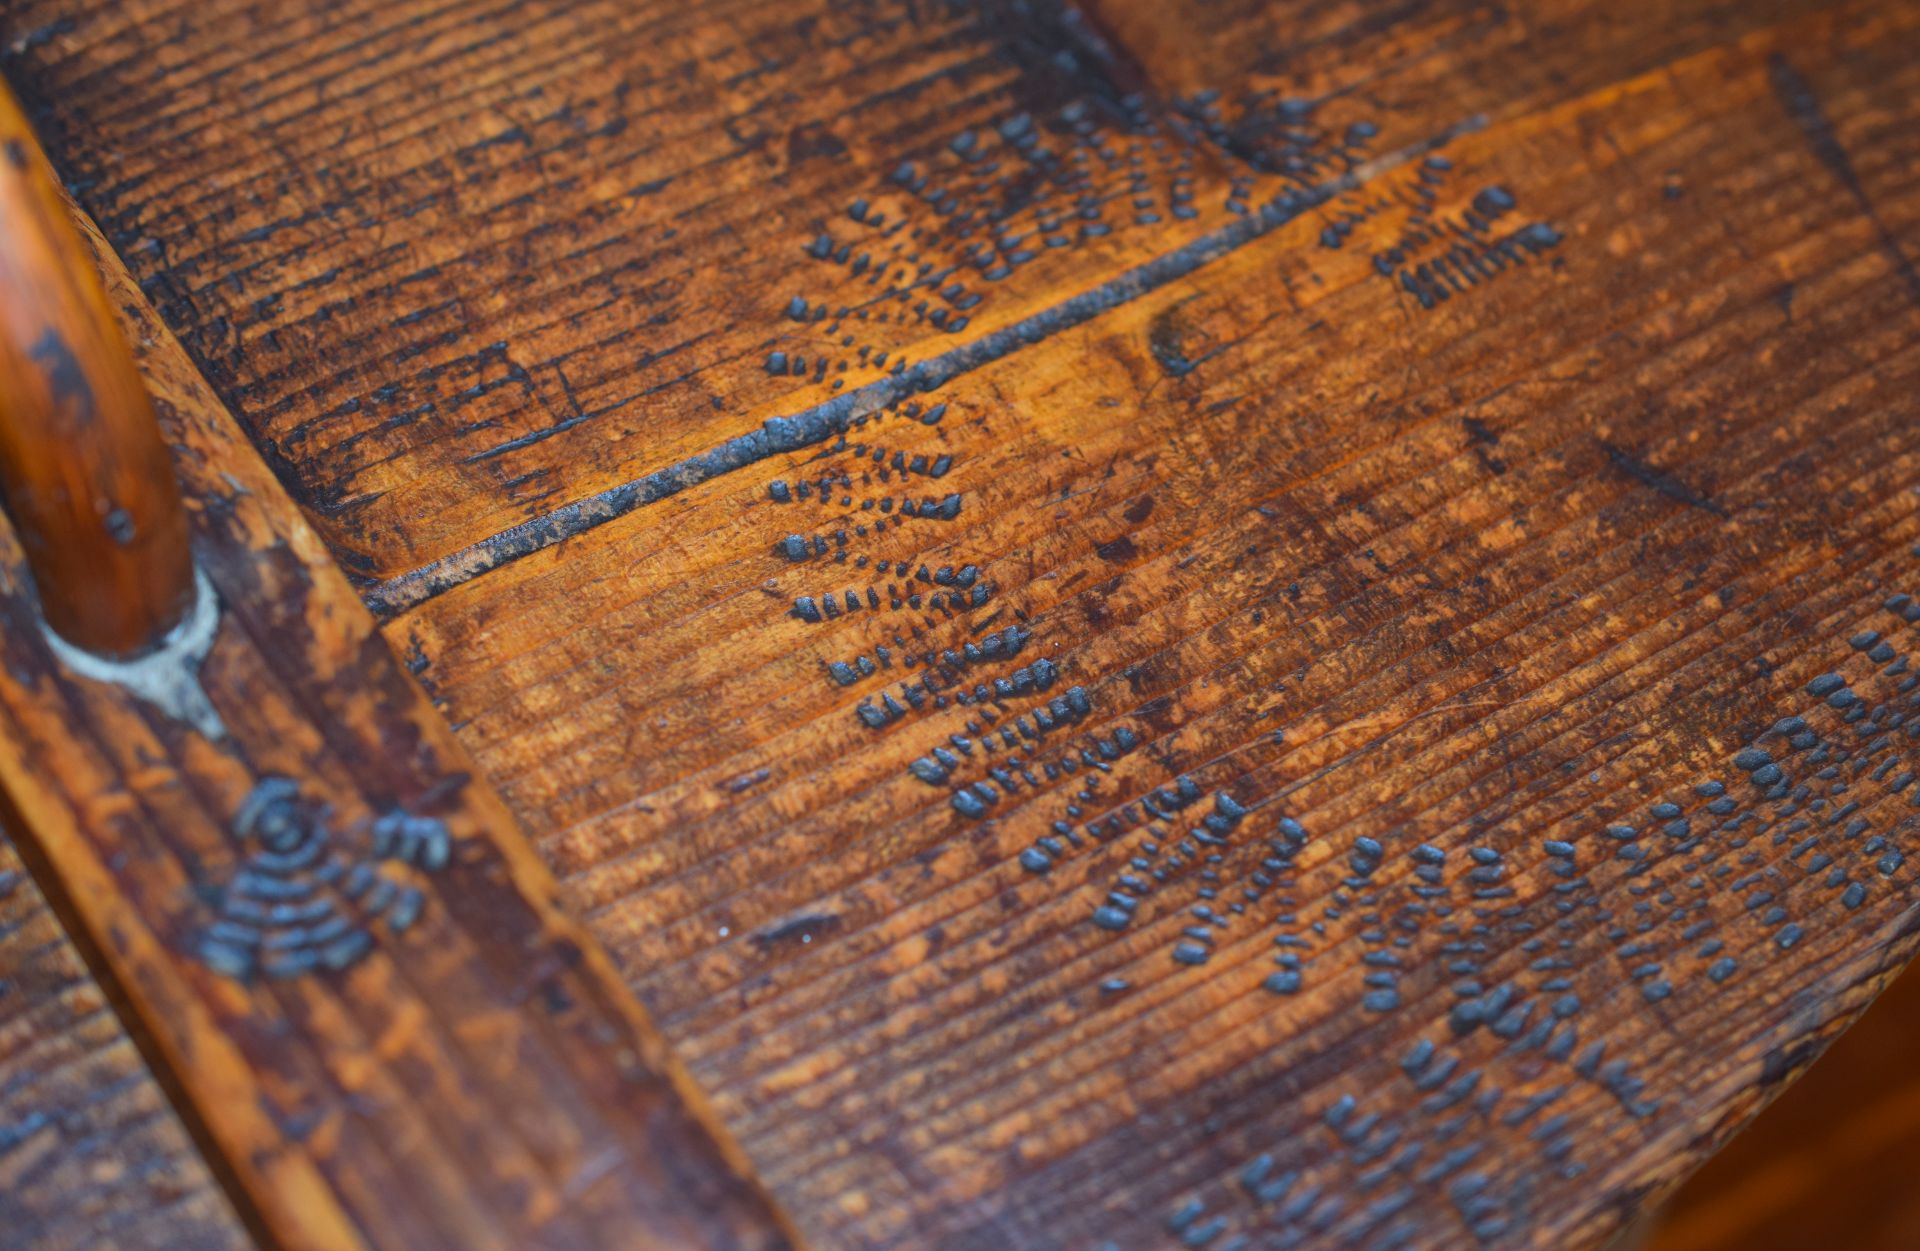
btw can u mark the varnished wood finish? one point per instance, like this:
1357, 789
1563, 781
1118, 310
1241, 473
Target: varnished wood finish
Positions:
1416, 514
432, 1057
84, 475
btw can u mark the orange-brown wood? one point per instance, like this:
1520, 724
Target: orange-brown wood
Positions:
84, 475
1361, 697
335, 944
91, 1153
1830, 1164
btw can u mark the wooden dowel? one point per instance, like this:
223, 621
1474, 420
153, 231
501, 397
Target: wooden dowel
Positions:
84, 474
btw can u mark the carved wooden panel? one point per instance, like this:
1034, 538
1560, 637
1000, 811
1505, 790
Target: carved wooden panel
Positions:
1218, 626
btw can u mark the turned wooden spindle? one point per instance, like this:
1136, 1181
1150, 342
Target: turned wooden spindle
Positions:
85, 476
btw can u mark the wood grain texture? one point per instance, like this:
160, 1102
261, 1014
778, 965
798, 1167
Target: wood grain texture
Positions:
1369, 711
533, 347
91, 1155
347, 959
83, 471
457, 266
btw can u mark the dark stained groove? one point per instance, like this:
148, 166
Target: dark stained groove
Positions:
831, 417
1665, 483
1067, 52
1797, 97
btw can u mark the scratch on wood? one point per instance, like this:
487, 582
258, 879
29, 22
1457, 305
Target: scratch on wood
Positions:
1665, 483
1797, 97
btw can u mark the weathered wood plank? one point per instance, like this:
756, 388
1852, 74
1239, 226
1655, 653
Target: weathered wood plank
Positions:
1490, 578
459, 266
1439, 520
91, 1155
682, 155
349, 960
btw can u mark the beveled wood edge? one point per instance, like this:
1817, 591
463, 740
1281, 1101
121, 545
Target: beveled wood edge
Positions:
160, 992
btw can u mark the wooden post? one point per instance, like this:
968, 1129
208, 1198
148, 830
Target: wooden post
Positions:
84, 474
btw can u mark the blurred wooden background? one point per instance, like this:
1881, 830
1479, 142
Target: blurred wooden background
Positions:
1834, 1164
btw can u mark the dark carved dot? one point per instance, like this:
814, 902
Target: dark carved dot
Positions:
120, 526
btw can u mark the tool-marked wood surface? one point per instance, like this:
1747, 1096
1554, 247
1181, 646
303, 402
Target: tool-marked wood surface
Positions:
348, 959
1227, 626
459, 265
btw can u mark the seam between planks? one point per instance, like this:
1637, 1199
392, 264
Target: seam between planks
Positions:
822, 421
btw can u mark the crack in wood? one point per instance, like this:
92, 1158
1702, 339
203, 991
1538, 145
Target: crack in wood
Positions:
822, 421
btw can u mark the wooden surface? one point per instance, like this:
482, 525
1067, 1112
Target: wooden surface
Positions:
85, 477
90, 1154
335, 943
1408, 499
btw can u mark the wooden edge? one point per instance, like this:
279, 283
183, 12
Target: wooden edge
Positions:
346, 961
58, 910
